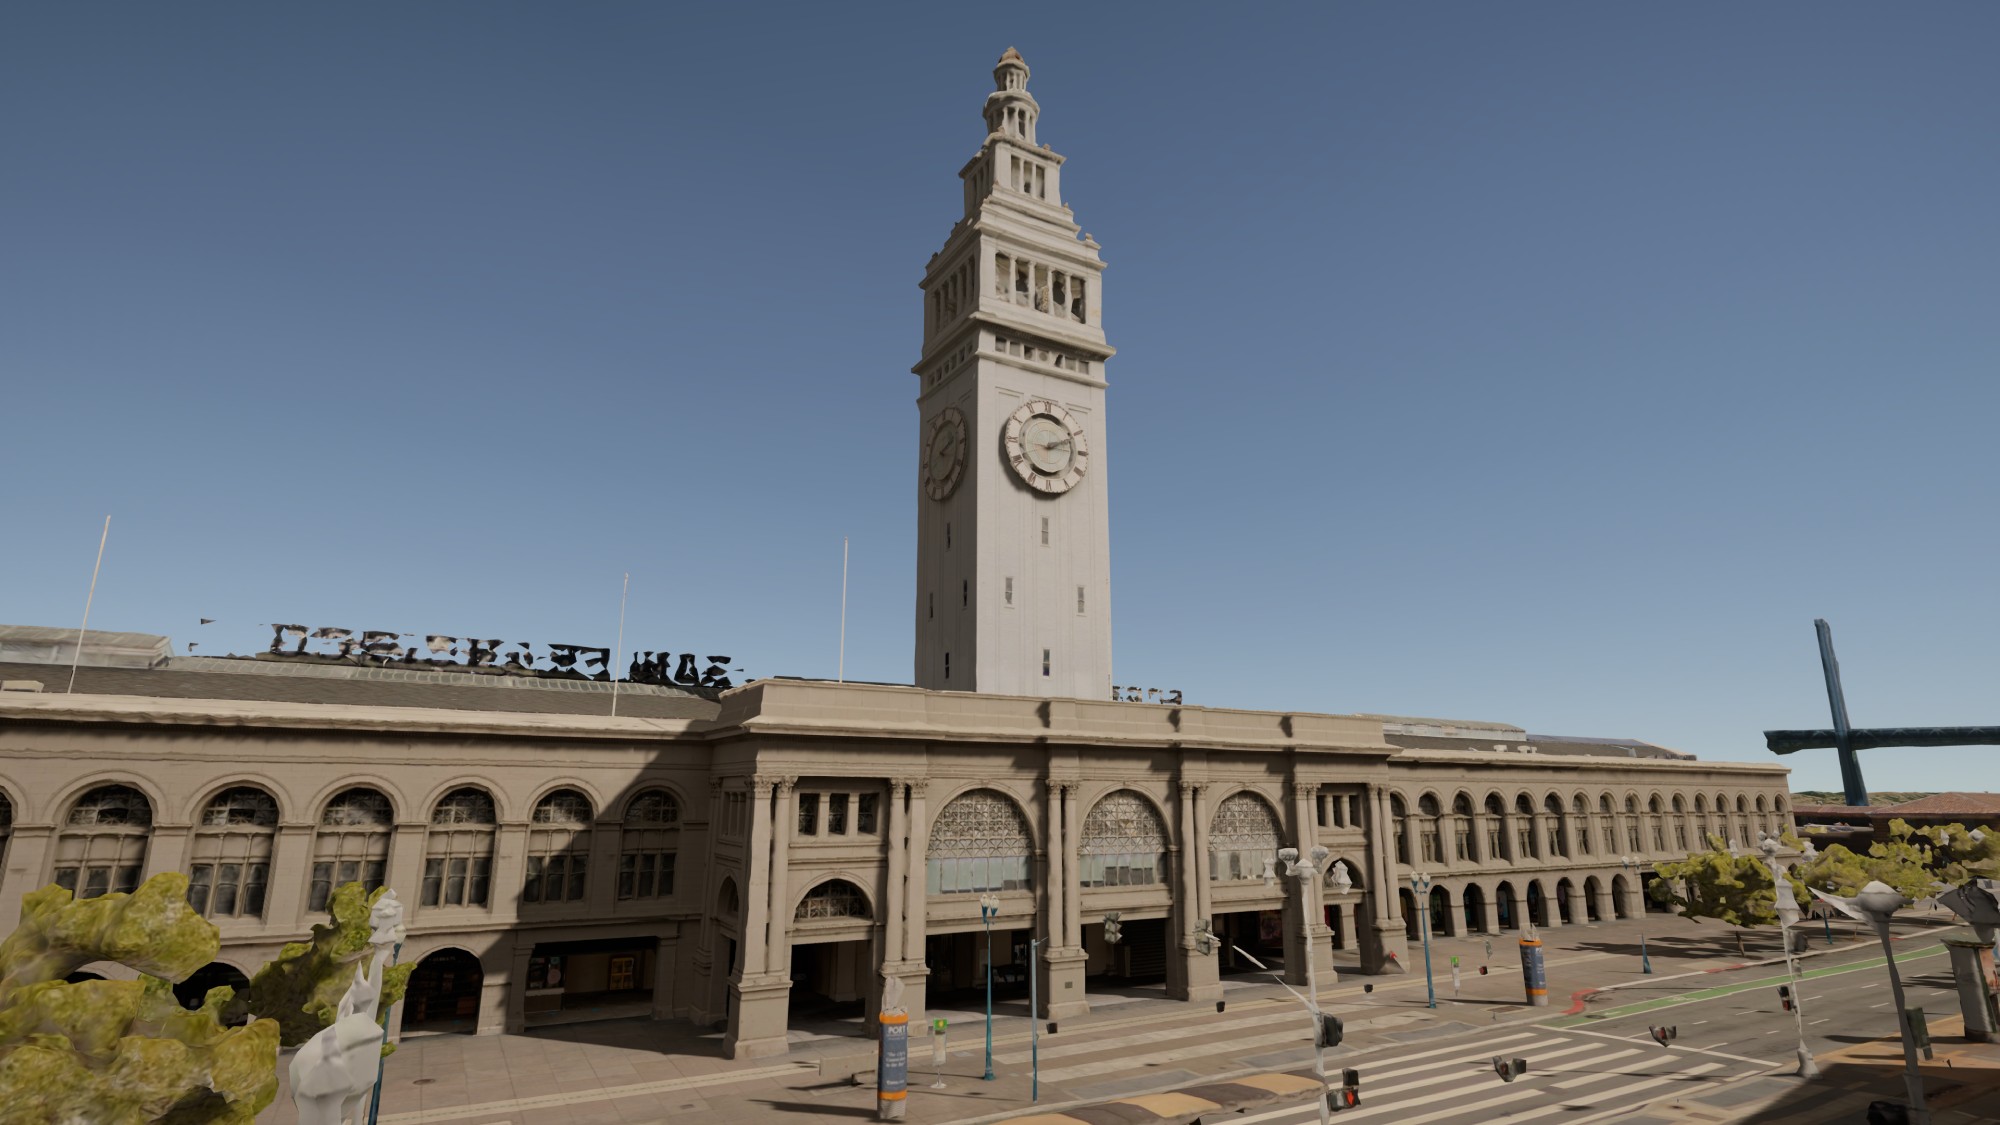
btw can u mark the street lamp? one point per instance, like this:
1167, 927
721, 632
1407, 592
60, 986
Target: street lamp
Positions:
1788, 913
1305, 871
1625, 861
1875, 903
1420, 884
989, 908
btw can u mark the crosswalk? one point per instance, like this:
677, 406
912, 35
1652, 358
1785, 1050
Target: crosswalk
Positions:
1572, 1076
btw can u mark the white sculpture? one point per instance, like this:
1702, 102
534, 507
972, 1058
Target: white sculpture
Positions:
334, 1072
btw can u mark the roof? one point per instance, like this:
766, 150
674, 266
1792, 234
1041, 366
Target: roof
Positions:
42, 644
224, 678
1985, 804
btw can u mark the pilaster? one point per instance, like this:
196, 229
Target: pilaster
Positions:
291, 850
1200, 975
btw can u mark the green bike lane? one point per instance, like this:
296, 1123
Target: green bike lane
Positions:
1696, 996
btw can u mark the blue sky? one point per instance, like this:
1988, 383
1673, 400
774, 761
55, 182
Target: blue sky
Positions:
1553, 364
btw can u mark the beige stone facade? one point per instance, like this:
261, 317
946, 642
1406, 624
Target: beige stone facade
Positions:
824, 834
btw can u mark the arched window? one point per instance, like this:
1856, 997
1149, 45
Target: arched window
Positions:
979, 843
231, 854
351, 846
1658, 812
1124, 843
835, 898
1461, 829
1429, 842
558, 848
458, 850
1242, 838
1632, 824
647, 845
1608, 812
1581, 808
1680, 823
1399, 818
103, 843
1496, 827
1701, 818
1524, 828
1552, 821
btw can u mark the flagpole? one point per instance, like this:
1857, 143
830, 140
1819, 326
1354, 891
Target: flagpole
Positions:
619, 651
87, 598
840, 675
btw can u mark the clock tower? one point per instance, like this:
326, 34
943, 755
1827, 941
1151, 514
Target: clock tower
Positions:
1013, 532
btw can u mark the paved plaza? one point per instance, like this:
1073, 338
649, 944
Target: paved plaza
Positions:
1135, 1040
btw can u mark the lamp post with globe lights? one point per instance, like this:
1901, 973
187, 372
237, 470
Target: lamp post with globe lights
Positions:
989, 908
1639, 882
1420, 887
1788, 913
1875, 904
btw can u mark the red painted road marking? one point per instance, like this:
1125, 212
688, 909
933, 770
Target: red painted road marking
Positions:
1576, 1000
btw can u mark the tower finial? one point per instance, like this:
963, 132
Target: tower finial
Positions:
1011, 72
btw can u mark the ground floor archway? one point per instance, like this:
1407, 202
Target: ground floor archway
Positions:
1538, 904
1474, 900
194, 990
444, 993
1593, 891
1563, 890
1441, 920
1621, 897
1509, 911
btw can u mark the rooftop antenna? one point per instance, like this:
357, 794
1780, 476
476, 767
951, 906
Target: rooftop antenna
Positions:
87, 598
616, 652
840, 672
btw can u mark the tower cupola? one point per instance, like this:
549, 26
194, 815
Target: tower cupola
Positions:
1010, 109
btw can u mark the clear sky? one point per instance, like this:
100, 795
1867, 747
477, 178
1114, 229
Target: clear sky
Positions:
1551, 364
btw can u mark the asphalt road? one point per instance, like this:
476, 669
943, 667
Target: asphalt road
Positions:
1604, 1064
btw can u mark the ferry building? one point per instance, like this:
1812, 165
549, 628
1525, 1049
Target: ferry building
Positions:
752, 855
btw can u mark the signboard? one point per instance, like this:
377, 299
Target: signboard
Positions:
438, 652
892, 1068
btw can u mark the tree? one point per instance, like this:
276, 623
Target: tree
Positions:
1736, 889
123, 1052
1917, 862
302, 988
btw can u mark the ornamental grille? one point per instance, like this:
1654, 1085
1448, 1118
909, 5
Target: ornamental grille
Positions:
463, 806
1124, 843
113, 805
356, 807
836, 898
979, 842
564, 806
242, 806
1242, 837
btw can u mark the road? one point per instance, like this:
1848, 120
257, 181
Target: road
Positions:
1605, 1065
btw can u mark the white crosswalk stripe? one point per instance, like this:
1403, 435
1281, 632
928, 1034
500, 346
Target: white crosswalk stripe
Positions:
1075, 1044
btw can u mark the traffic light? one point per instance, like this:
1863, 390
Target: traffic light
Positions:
1509, 1069
1664, 1035
1349, 1094
1482, 970
1785, 996
1330, 1032
1111, 927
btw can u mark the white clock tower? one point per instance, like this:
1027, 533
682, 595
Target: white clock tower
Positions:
1013, 535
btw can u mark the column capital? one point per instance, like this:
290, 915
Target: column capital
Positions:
1192, 787
1305, 788
715, 782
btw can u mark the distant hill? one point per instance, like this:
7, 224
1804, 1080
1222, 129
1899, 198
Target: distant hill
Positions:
1835, 797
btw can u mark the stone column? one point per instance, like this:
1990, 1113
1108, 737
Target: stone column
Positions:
777, 957
1384, 944
893, 890
1319, 935
1489, 911
761, 991
703, 987
27, 869
1550, 907
1579, 912
1539, 825
515, 998
1606, 911
291, 873
1202, 885
510, 863
1200, 973
1058, 874
406, 866
916, 904
166, 850
666, 957
600, 890
1064, 997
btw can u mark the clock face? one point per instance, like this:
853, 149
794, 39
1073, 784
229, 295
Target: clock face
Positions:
1045, 446
944, 452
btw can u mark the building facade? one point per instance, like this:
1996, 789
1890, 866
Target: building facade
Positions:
750, 856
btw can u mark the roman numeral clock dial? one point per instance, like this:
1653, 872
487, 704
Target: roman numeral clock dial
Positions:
1045, 447
944, 453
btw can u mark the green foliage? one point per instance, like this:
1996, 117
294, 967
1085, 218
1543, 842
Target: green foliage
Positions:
1836, 797
1917, 862
1736, 889
301, 990
123, 1052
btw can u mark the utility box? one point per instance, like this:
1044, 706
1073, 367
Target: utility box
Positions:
1972, 969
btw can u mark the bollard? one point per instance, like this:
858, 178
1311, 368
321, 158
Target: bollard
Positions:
1534, 975
892, 1069
1454, 978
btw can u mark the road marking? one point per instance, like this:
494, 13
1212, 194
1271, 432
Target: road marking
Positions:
1883, 1004
1158, 1035
1609, 1095
1697, 1023
1178, 1054
1614, 1072
1729, 989
1684, 1048
1820, 1020
1345, 1061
